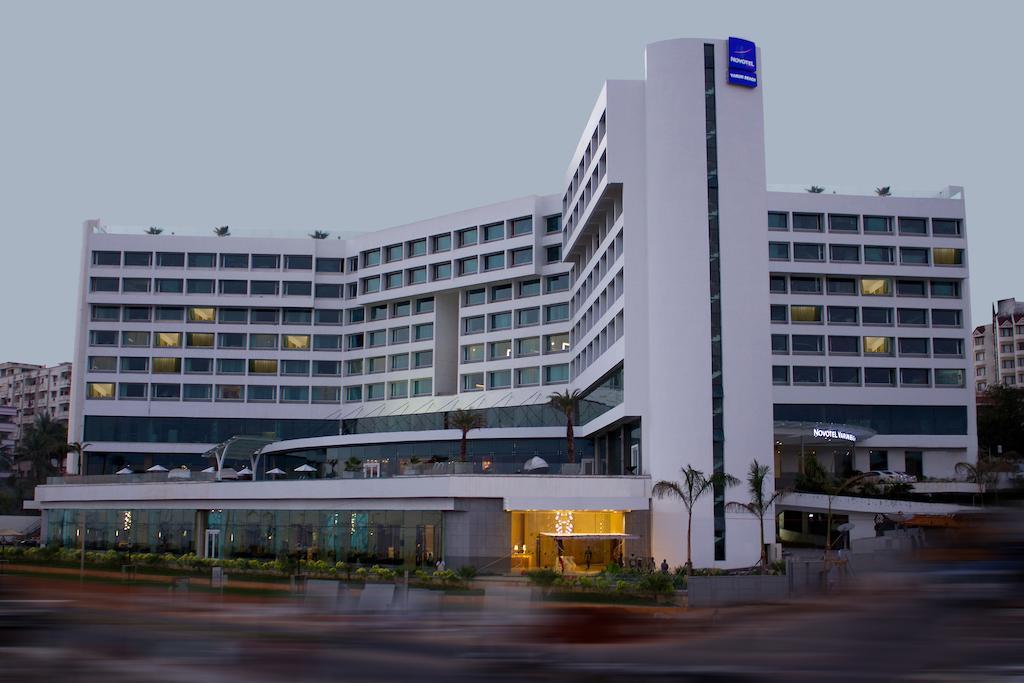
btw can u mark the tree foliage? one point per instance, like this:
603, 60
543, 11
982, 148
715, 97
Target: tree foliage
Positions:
1001, 420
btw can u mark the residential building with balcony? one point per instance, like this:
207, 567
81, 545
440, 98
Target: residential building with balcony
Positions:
33, 390
999, 347
652, 283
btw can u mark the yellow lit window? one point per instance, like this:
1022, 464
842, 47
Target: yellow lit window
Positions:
295, 341
167, 365
168, 339
805, 314
943, 256
200, 340
879, 286
881, 345
259, 366
202, 315
100, 390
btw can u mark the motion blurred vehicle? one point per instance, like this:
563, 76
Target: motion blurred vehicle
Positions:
889, 476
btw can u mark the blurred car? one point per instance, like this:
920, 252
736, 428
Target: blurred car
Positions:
888, 476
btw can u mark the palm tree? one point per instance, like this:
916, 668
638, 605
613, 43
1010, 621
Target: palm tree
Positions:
760, 502
565, 403
42, 441
222, 231
154, 231
884, 191
982, 473
815, 189
78, 448
319, 234
695, 484
465, 421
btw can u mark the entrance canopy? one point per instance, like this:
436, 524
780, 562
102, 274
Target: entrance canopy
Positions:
819, 433
598, 537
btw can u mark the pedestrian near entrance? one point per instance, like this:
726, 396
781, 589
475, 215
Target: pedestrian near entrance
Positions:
588, 556
664, 566
440, 566
651, 566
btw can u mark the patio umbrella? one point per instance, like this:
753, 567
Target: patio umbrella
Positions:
305, 468
125, 470
157, 468
536, 464
275, 471
210, 470
245, 471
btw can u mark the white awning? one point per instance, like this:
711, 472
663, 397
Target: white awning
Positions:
590, 536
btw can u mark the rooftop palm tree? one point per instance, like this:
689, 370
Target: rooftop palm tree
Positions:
815, 189
154, 231
222, 231
319, 234
694, 485
760, 502
565, 402
884, 191
464, 421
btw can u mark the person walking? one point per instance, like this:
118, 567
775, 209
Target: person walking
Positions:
588, 556
664, 566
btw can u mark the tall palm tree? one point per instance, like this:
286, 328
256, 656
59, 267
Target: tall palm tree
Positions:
884, 191
319, 234
565, 402
42, 441
154, 231
815, 189
464, 421
222, 231
694, 485
78, 448
760, 502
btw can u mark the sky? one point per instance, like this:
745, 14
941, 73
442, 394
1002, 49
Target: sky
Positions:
360, 116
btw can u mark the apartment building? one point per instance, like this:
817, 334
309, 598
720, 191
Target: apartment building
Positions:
705, 320
32, 390
8, 429
999, 347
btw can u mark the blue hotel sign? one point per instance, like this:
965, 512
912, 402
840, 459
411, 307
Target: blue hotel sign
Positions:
742, 62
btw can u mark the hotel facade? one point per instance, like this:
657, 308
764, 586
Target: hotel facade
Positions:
705, 320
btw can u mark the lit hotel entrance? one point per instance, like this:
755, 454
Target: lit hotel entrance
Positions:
570, 541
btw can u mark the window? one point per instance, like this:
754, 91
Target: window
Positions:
501, 293
354, 367
468, 266
103, 363
172, 313
878, 286
473, 382
780, 374
556, 374
353, 394
295, 367
846, 286
842, 223
553, 253
878, 254
777, 221
400, 335
198, 366
472, 353
805, 314
328, 265
416, 247
422, 387
103, 284
137, 258
416, 276
842, 315
99, 390
949, 377
136, 338
878, 224
910, 288
876, 316
393, 253
423, 359
914, 377
170, 259
556, 283
880, 346
354, 341
494, 231
778, 251
913, 346
262, 366
233, 286
106, 313
262, 393
163, 339
398, 389
808, 374
804, 284
353, 264
467, 237
777, 284
266, 261
295, 342
262, 341
298, 288
945, 227
843, 375
230, 366
326, 342
423, 331
807, 222
913, 226
202, 260
134, 314
808, 252
107, 258
948, 257
371, 284
401, 309
501, 321
297, 316
526, 317
779, 313
526, 377
371, 258
494, 261
135, 284
909, 317
499, 379
134, 364
946, 289
499, 350
843, 345
848, 253
473, 325
946, 346
780, 343
168, 286
880, 376
441, 271
167, 366
328, 291
441, 242
131, 391
556, 343
197, 392
375, 392
263, 288
234, 260
199, 340
193, 286
553, 224
528, 346
522, 226
556, 312
914, 463
808, 343
294, 394
521, 257
529, 288
263, 316
942, 317
399, 361
376, 338
378, 312
474, 297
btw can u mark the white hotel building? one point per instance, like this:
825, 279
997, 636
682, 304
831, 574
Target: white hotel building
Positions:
706, 320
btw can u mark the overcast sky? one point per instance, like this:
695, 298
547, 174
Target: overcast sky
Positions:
345, 116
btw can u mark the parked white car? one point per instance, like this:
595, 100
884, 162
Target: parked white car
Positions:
885, 476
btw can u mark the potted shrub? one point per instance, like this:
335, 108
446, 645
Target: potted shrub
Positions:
414, 466
353, 468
